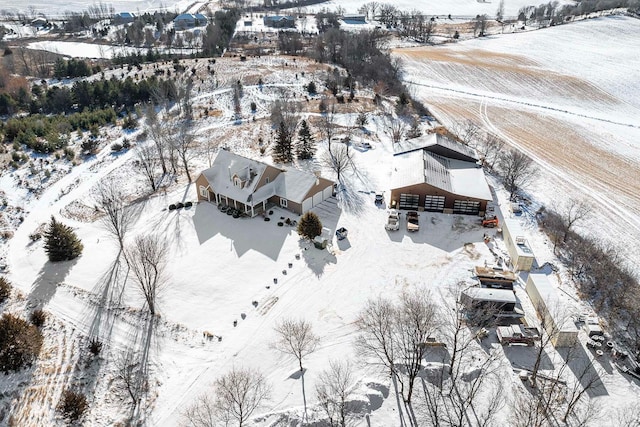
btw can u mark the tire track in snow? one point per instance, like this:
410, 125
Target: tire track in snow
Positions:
484, 97
607, 204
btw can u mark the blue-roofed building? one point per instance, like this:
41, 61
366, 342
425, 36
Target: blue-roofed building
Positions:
123, 18
189, 20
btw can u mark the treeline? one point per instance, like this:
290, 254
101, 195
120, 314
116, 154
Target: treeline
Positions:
556, 14
601, 276
360, 55
73, 68
45, 134
98, 94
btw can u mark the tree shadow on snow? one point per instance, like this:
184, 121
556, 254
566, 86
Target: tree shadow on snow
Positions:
316, 259
44, 287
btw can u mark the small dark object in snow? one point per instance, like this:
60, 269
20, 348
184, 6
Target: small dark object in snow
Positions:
172, 207
267, 219
243, 316
188, 204
297, 256
235, 323
270, 212
341, 233
275, 280
255, 303
268, 287
284, 272
280, 224
179, 205
290, 265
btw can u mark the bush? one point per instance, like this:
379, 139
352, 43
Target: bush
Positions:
311, 88
61, 243
20, 343
309, 225
95, 346
5, 289
115, 147
254, 107
126, 144
34, 237
38, 317
73, 405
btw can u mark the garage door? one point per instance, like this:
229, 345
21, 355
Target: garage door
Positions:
327, 192
466, 207
317, 198
409, 201
307, 204
434, 203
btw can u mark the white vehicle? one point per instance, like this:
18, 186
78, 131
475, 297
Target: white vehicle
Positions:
393, 221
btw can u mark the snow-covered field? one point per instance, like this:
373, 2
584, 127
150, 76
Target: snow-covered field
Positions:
572, 105
468, 8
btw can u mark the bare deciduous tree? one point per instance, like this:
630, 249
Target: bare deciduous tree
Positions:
334, 389
572, 212
183, 143
339, 160
159, 133
395, 129
118, 218
296, 338
235, 398
517, 170
239, 393
489, 148
148, 162
129, 376
396, 335
147, 259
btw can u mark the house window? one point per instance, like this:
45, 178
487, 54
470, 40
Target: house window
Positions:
203, 191
283, 203
266, 180
237, 182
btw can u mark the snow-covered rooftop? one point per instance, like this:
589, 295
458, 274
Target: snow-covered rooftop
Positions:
451, 175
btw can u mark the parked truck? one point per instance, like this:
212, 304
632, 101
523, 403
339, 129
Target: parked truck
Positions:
517, 334
413, 222
393, 221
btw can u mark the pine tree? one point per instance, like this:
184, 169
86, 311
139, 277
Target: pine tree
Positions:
283, 151
61, 243
20, 343
309, 225
306, 144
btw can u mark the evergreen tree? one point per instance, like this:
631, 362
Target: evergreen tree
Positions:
309, 225
61, 243
20, 343
306, 144
5, 289
283, 151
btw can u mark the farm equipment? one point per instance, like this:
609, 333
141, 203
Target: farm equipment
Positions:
490, 221
517, 334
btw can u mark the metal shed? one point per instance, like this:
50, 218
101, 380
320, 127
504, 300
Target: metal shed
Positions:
551, 311
522, 257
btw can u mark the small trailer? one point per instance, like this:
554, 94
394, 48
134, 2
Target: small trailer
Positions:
517, 334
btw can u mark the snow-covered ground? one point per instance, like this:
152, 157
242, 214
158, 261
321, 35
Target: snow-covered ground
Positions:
220, 266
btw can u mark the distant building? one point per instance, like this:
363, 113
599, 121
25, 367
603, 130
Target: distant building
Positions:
189, 20
354, 19
123, 18
278, 21
39, 22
